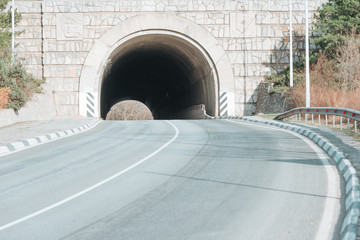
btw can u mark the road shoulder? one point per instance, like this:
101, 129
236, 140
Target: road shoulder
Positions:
23, 135
343, 164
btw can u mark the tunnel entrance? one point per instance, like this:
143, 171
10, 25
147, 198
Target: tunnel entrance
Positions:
165, 72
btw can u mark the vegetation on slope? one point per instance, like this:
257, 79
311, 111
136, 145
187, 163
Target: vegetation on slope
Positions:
16, 85
335, 65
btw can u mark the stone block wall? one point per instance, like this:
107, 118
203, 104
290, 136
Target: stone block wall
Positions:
29, 42
58, 36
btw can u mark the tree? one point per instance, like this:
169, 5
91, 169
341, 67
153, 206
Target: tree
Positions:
5, 29
335, 65
336, 20
16, 84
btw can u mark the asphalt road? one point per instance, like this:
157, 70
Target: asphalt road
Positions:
211, 179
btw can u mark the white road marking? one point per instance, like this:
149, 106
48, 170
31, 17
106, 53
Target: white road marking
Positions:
20, 220
332, 206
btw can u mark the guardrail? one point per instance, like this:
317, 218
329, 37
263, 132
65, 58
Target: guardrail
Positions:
332, 111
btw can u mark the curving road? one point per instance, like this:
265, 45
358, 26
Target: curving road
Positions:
209, 179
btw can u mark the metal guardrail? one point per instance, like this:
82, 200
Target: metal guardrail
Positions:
327, 111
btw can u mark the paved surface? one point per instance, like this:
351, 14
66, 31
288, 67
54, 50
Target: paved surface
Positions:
343, 142
23, 130
215, 179
351, 209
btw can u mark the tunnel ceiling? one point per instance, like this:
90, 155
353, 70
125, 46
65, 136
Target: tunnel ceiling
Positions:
165, 72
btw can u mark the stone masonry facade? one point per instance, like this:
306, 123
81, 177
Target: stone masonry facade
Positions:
254, 35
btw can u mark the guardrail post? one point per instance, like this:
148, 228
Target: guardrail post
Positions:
355, 126
333, 121
312, 118
326, 121
341, 123
300, 117
319, 121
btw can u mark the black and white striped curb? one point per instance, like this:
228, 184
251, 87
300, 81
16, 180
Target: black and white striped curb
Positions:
16, 146
352, 191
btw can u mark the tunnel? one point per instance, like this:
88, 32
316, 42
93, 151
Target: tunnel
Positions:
167, 73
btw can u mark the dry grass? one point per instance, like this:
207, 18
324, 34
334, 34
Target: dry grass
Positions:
321, 97
4, 97
129, 110
334, 83
349, 63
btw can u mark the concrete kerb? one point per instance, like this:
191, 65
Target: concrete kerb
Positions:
345, 168
30, 142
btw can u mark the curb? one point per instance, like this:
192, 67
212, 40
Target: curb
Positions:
30, 142
347, 171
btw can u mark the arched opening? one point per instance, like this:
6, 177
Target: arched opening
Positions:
165, 72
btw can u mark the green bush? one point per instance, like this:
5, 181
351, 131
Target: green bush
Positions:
336, 20
5, 29
14, 76
281, 80
8, 79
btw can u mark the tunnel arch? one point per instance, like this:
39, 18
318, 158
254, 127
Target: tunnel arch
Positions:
165, 70
189, 52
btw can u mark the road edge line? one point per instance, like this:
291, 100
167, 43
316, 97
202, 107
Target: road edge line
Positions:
74, 196
38, 140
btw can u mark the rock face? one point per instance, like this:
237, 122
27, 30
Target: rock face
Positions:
129, 110
269, 102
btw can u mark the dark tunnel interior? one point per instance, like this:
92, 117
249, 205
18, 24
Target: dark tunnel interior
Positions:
164, 72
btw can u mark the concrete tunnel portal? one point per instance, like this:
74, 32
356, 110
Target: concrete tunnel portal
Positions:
165, 72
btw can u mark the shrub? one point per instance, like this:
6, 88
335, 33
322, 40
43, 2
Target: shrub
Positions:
334, 83
336, 20
21, 84
5, 29
13, 76
281, 80
348, 57
335, 65
4, 97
